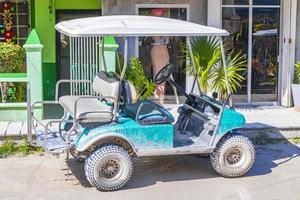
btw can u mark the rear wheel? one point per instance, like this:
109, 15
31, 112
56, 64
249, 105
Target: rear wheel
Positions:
109, 168
233, 157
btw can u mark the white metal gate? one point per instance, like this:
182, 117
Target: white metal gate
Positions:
85, 62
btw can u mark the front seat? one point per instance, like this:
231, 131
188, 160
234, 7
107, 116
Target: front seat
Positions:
145, 112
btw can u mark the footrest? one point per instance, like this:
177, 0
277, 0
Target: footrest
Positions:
55, 143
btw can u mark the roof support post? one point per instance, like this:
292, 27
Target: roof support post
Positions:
102, 54
116, 104
194, 66
125, 58
225, 69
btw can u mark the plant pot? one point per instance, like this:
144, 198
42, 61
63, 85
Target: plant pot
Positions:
296, 94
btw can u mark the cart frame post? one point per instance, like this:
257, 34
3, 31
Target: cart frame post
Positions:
225, 70
194, 66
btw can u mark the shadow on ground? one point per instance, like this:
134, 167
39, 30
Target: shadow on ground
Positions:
280, 150
150, 170
273, 155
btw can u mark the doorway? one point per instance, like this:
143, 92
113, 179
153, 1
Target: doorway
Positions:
145, 45
63, 57
255, 28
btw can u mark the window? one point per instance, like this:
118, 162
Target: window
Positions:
20, 13
235, 2
254, 27
254, 2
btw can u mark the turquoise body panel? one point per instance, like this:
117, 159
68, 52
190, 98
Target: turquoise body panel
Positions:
151, 136
140, 136
230, 120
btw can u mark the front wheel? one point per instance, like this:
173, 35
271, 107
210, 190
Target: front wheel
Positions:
75, 155
233, 157
109, 168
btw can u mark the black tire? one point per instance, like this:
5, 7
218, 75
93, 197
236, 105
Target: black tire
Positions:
233, 157
109, 168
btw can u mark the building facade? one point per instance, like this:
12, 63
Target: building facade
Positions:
265, 31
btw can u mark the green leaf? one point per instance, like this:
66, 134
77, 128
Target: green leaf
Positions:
207, 57
11, 57
136, 75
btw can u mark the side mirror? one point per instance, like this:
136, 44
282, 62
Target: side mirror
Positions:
215, 95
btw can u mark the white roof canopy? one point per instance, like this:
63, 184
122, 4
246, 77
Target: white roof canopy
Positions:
134, 25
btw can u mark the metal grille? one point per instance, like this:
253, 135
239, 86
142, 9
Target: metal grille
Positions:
85, 63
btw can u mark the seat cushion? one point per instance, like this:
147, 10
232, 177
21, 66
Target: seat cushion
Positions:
107, 84
87, 109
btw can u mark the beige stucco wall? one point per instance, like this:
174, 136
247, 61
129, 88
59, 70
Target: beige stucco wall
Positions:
198, 8
198, 12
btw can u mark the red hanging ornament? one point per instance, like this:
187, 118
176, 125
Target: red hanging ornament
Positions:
6, 5
8, 35
7, 21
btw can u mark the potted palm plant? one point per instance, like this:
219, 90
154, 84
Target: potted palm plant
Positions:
136, 75
207, 57
296, 86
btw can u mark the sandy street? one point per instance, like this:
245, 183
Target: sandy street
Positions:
276, 175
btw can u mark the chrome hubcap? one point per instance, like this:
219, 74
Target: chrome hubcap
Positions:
233, 156
110, 169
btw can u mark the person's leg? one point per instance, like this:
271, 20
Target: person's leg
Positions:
159, 58
159, 92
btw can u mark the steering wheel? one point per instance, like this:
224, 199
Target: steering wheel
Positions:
164, 74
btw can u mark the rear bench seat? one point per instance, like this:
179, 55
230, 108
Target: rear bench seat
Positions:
92, 108
87, 109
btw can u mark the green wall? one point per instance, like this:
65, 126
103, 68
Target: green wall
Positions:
77, 4
43, 20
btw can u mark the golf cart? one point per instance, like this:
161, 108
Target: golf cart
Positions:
110, 126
